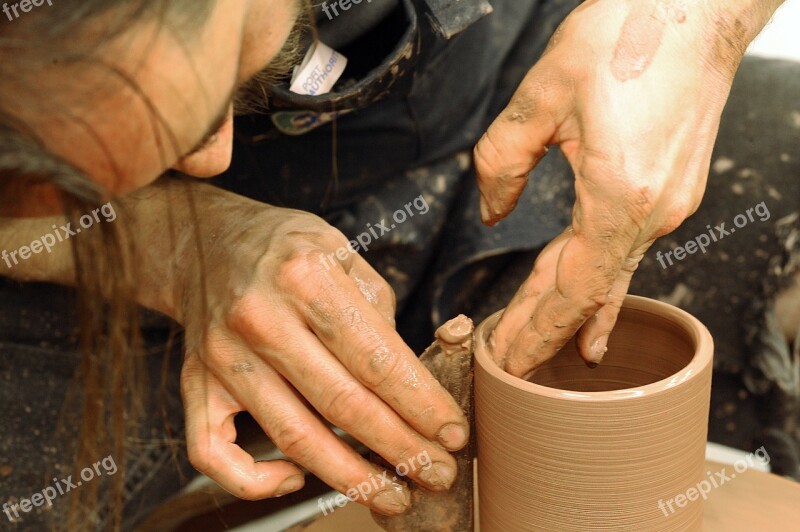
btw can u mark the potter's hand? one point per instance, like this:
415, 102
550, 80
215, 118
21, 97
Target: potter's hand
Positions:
285, 329
632, 93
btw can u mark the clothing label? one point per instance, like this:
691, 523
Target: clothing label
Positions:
320, 70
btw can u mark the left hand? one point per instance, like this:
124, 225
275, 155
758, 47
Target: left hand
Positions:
632, 92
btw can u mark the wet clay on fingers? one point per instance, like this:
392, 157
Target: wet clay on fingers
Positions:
449, 360
579, 449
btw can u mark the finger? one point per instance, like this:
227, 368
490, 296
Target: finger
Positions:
583, 280
296, 431
511, 147
592, 338
374, 289
372, 286
377, 356
520, 309
210, 437
344, 401
371, 350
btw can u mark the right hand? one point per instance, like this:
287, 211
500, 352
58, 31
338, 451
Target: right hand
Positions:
632, 92
281, 328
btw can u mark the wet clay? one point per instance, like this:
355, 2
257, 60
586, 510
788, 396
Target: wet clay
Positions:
641, 36
579, 449
450, 361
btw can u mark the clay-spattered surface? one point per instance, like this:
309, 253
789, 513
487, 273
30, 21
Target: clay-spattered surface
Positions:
581, 449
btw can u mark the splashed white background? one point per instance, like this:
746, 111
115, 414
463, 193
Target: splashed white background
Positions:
780, 38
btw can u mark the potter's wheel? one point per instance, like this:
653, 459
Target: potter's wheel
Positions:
538, 441
749, 501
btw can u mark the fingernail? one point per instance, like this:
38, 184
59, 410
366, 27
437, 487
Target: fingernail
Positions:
393, 501
290, 485
598, 349
453, 436
485, 213
439, 475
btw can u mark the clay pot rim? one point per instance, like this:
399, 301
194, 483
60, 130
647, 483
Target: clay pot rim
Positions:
699, 336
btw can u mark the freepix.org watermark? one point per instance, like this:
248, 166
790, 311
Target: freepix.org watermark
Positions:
48, 241
344, 5
704, 240
373, 483
377, 231
719, 478
25, 6
60, 487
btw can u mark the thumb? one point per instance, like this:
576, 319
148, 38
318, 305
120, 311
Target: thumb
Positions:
508, 151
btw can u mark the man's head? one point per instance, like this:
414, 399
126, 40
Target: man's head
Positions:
125, 89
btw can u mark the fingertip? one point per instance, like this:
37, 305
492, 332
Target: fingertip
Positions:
516, 368
290, 485
392, 501
523, 363
454, 436
592, 345
598, 349
592, 338
485, 216
493, 212
237, 473
439, 476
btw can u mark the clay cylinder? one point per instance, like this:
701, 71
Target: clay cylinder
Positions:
587, 449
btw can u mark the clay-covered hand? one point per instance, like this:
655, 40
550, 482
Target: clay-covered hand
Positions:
632, 92
292, 327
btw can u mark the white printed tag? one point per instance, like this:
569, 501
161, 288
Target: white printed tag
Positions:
320, 70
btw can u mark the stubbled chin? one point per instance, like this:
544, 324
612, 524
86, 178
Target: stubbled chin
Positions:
214, 158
